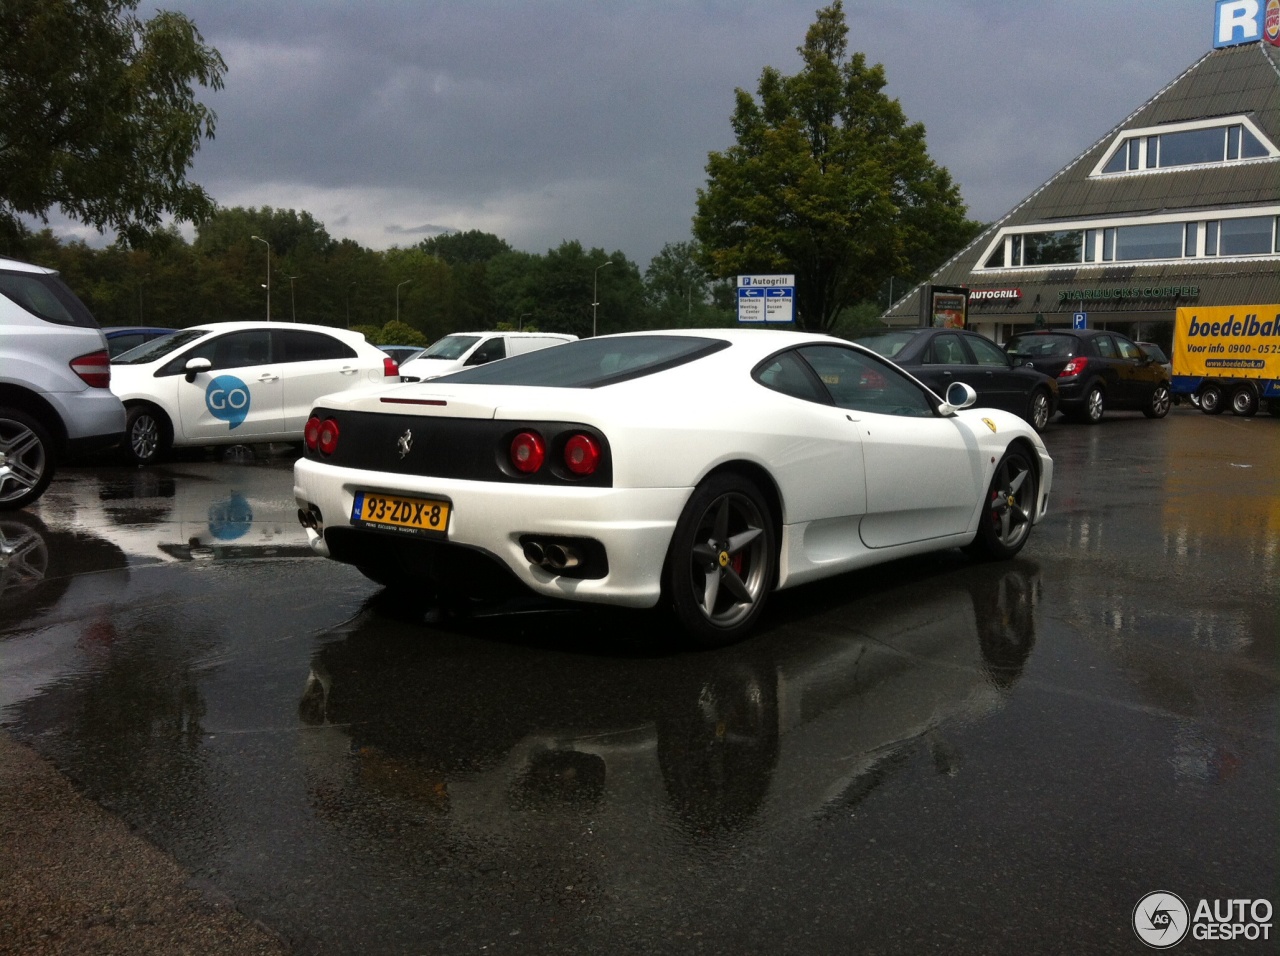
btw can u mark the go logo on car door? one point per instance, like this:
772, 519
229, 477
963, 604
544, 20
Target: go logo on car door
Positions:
227, 399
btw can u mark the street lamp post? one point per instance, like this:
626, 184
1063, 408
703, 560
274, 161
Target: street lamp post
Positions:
293, 306
350, 286
595, 294
405, 282
520, 321
268, 245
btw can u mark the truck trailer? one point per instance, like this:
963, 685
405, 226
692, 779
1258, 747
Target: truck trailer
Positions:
1228, 356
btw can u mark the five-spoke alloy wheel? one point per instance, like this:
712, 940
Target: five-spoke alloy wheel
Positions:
722, 560
1009, 507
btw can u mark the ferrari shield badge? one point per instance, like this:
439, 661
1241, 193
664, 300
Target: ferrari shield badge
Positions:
990, 424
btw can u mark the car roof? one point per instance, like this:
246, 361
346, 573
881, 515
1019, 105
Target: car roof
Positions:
15, 265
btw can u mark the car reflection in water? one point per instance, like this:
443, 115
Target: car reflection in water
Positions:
635, 749
196, 511
44, 574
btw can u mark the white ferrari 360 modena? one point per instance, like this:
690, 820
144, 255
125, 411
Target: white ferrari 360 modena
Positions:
700, 468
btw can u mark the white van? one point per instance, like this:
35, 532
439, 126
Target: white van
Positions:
464, 349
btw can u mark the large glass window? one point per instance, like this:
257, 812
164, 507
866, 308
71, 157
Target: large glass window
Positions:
1162, 240
1052, 248
1246, 237
1192, 146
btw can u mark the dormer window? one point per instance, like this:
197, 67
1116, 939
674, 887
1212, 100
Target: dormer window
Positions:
1179, 145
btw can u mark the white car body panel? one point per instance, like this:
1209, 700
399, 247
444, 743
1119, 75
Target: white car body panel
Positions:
667, 431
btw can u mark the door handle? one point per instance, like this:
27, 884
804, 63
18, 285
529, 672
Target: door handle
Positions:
268, 378
347, 370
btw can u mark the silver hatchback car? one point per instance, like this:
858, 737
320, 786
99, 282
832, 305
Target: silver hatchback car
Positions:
55, 378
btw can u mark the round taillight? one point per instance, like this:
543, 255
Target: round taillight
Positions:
328, 438
527, 452
581, 455
311, 434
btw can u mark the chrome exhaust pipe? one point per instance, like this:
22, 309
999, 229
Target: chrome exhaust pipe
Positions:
559, 557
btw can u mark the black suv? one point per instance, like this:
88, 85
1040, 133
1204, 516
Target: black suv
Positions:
1095, 370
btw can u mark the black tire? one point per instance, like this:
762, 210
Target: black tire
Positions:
1039, 410
722, 561
148, 434
1159, 403
1244, 402
1211, 400
1008, 508
26, 459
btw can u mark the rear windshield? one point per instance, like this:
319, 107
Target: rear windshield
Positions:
1042, 346
590, 363
47, 297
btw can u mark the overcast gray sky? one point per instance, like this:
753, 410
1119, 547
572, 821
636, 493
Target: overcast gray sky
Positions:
591, 120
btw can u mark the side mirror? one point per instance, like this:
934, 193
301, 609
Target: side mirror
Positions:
959, 395
196, 366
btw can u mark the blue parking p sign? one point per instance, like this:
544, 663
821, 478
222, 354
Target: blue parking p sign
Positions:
1080, 320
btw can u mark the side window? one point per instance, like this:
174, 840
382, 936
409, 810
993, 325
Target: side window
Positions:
490, 351
947, 350
295, 345
987, 353
1127, 349
1106, 347
861, 383
233, 350
788, 373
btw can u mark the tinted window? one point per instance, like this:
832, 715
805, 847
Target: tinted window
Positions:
292, 345
490, 351
1106, 348
1053, 248
233, 350
947, 350
888, 344
47, 297
1043, 346
591, 363
858, 382
789, 374
1245, 237
987, 353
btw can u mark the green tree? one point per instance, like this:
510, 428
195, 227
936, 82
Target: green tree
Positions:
827, 181
98, 116
678, 289
468, 247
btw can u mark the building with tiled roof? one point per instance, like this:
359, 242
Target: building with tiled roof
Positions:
1179, 205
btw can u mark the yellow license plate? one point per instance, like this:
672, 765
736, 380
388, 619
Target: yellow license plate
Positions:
371, 509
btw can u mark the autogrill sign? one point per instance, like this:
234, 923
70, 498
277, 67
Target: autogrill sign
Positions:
995, 295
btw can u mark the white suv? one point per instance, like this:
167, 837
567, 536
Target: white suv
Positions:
55, 395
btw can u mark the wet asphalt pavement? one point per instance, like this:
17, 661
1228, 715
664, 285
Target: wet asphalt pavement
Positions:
933, 756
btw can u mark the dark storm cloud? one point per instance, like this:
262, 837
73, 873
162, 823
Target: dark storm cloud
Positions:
573, 119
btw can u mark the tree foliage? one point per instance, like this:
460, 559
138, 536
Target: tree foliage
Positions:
827, 181
98, 117
399, 295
